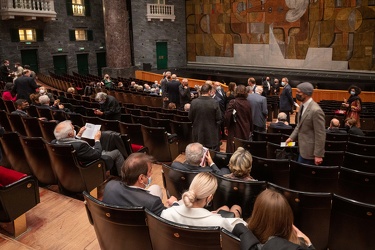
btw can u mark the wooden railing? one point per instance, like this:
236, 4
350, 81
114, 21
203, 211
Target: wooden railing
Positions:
318, 95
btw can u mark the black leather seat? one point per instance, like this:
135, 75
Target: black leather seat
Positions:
144, 120
369, 140
335, 145
243, 193
336, 137
184, 132
72, 176
165, 123
133, 132
109, 125
221, 159
333, 158
271, 170
18, 194
256, 148
311, 212
228, 240
311, 178
352, 224
275, 151
361, 149
17, 124
176, 181
358, 162
357, 185
286, 131
47, 128
118, 227
165, 234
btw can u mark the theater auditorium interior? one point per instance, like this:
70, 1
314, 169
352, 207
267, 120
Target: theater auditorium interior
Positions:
51, 199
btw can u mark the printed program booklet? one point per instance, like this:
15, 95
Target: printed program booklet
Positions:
91, 130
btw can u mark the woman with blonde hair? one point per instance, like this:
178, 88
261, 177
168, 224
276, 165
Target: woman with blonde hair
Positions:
240, 165
271, 225
192, 211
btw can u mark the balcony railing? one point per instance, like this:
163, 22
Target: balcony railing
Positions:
29, 9
160, 11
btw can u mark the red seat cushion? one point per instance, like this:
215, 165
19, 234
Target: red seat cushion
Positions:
136, 147
8, 176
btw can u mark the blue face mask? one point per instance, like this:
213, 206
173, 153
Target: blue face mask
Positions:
148, 182
352, 92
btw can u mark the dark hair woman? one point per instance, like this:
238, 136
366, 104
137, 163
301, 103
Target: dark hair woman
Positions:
353, 104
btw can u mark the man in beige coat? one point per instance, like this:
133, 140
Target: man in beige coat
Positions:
310, 129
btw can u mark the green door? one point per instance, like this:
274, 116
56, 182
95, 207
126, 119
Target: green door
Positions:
30, 57
101, 62
83, 64
162, 55
59, 65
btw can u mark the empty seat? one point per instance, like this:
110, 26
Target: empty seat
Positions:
184, 133
333, 158
271, 170
32, 126
286, 131
370, 140
335, 145
221, 159
144, 120
352, 224
358, 162
165, 234
4, 121
312, 212
311, 178
243, 193
159, 144
176, 181
257, 148
361, 149
18, 194
270, 137
164, 123
118, 227
133, 132
336, 137
357, 185
72, 176
38, 159
17, 124
109, 125
47, 128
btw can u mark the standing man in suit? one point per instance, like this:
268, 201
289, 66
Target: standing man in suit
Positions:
310, 130
185, 95
286, 99
5, 72
163, 86
172, 89
267, 86
24, 86
206, 117
109, 107
220, 97
134, 188
259, 109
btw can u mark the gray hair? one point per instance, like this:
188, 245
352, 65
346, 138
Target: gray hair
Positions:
194, 153
101, 96
44, 99
63, 129
281, 117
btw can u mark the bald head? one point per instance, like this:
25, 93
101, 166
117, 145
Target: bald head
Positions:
335, 123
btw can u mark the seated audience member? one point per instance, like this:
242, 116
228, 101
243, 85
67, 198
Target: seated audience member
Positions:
89, 89
156, 84
8, 95
147, 88
350, 125
187, 107
172, 105
21, 107
71, 90
107, 81
134, 188
120, 85
192, 211
65, 134
109, 107
271, 225
43, 91
240, 165
34, 99
334, 127
281, 122
198, 160
132, 85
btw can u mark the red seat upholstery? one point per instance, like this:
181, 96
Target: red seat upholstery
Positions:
8, 176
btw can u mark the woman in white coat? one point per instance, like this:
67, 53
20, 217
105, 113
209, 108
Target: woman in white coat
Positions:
192, 211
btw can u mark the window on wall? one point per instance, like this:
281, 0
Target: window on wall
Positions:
80, 35
78, 7
27, 35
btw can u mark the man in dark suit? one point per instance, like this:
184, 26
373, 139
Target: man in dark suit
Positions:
172, 89
259, 109
334, 127
350, 125
65, 134
184, 92
206, 117
24, 86
109, 107
134, 189
5, 72
280, 124
267, 86
21, 106
310, 129
198, 160
286, 99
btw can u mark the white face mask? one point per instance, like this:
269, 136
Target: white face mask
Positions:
283, 83
41, 91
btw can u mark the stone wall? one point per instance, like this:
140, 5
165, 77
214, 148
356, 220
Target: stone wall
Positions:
147, 33
56, 35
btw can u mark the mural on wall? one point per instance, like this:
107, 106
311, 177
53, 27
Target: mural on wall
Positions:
345, 26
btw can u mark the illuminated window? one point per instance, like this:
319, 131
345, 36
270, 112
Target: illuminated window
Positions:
27, 35
80, 35
78, 7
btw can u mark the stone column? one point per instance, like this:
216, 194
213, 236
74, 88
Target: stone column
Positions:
116, 25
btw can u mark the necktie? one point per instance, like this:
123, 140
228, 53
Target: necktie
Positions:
300, 114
